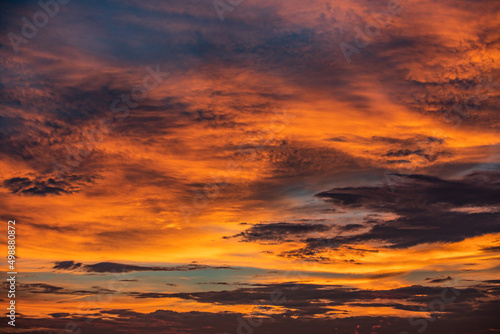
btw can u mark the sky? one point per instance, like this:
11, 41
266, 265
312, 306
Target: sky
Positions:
250, 166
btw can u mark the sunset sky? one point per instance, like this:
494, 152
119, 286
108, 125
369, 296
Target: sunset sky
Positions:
251, 166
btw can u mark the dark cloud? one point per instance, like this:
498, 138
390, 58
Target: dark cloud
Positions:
49, 186
25, 186
111, 267
430, 209
291, 159
318, 297
41, 288
464, 320
231, 283
420, 153
280, 232
405, 142
66, 265
60, 315
439, 279
60, 229
492, 249
302, 307
400, 161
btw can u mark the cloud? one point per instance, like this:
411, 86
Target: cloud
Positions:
492, 249
426, 207
66, 265
41, 187
301, 306
279, 232
41, 288
25, 186
439, 279
318, 297
111, 267
420, 153
463, 320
